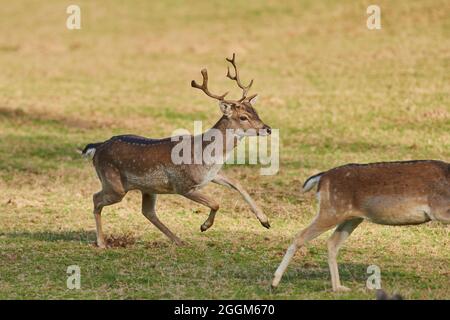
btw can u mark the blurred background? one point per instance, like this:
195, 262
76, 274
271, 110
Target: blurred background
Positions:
337, 91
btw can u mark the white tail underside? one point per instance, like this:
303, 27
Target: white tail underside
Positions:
311, 183
89, 153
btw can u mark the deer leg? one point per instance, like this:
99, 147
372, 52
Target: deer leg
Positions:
342, 232
315, 229
102, 199
225, 181
148, 210
206, 201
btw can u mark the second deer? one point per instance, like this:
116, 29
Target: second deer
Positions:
389, 193
129, 162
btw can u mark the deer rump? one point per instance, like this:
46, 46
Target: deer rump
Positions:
90, 149
391, 193
145, 164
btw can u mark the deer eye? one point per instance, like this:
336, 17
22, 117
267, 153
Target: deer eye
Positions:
243, 118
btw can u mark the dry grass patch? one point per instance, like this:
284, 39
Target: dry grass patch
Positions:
338, 92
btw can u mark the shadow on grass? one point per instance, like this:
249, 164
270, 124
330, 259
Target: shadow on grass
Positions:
71, 236
49, 141
235, 261
37, 153
348, 272
41, 118
84, 237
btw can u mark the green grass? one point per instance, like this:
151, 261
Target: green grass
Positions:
338, 92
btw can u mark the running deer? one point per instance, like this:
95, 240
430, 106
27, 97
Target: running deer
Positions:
388, 193
130, 162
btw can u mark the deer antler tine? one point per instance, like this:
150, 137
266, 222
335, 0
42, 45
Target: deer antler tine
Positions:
232, 59
205, 74
248, 98
195, 85
229, 74
236, 78
249, 86
204, 86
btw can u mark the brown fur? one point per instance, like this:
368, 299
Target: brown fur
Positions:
390, 193
129, 162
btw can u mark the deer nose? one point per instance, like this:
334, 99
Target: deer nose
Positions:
268, 129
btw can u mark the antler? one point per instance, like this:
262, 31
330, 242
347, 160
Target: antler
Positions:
236, 78
204, 86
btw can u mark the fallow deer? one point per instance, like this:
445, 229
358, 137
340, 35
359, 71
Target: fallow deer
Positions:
388, 193
129, 162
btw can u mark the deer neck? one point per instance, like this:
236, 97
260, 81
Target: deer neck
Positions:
229, 139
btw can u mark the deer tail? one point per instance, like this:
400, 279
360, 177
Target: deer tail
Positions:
89, 150
311, 182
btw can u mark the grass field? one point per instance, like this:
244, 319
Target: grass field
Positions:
337, 91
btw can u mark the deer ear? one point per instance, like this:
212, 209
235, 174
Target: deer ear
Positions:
253, 100
226, 108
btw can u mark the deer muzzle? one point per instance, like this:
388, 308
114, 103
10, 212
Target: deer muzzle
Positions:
265, 131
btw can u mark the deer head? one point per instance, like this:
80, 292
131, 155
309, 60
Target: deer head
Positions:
239, 114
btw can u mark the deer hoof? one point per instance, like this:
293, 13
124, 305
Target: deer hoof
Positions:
342, 289
204, 227
179, 242
101, 245
275, 281
266, 224
273, 286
